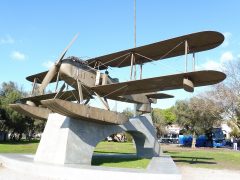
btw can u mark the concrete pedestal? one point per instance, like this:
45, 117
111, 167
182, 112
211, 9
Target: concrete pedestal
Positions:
72, 141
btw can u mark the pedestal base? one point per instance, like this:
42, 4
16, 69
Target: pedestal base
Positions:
72, 141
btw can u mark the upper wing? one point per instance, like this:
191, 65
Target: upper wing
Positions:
175, 81
197, 42
200, 41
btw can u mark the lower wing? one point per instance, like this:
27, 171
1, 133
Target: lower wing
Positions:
169, 82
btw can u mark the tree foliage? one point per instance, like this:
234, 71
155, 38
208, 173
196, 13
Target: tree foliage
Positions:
10, 120
227, 95
198, 115
162, 118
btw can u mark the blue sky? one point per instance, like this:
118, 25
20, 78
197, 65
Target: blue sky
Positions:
34, 33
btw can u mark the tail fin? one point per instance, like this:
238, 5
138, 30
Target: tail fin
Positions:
153, 97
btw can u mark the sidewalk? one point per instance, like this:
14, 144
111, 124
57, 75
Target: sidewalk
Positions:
189, 173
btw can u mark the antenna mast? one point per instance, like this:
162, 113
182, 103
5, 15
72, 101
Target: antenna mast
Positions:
135, 35
135, 45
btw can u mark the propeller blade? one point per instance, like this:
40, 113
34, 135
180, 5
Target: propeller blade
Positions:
66, 49
54, 69
49, 76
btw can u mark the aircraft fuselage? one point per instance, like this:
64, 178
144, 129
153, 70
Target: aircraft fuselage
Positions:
72, 70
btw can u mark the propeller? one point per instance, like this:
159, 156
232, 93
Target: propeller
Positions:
55, 68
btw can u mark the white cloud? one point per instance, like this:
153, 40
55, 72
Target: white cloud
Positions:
48, 64
217, 65
227, 39
7, 40
226, 57
16, 55
210, 65
238, 56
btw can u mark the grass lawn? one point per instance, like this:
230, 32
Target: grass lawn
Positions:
117, 160
211, 158
200, 157
102, 148
25, 147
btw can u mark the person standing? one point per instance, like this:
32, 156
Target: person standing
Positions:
235, 144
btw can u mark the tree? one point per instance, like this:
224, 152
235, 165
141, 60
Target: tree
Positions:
167, 116
13, 121
8, 87
227, 95
3, 117
162, 118
159, 122
197, 116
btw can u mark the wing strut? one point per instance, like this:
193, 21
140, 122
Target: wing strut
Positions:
132, 57
58, 75
80, 91
187, 50
140, 76
104, 102
133, 60
34, 86
60, 91
186, 54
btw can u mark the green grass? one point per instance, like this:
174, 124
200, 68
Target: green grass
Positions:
115, 160
123, 156
204, 157
19, 147
114, 147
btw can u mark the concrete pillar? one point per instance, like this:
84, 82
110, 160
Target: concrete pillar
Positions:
72, 141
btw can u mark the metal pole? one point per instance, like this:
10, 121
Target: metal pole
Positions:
135, 26
135, 45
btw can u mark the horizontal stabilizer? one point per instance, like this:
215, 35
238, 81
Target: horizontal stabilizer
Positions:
159, 96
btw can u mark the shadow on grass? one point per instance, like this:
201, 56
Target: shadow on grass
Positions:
171, 152
108, 152
22, 142
99, 159
190, 159
193, 160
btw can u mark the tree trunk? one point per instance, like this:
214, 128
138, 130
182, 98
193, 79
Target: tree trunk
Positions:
193, 140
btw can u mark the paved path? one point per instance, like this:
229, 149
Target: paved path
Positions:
7, 174
189, 173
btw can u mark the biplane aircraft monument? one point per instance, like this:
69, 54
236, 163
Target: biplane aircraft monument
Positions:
74, 128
